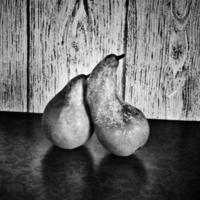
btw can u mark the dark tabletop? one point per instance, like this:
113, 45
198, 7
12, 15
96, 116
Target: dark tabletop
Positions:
168, 167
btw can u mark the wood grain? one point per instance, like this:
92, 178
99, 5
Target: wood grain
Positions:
161, 38
68, 38
13, 56
162, 63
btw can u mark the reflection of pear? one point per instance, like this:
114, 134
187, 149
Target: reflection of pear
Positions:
65, 119
120, 127
67, 173
119, 178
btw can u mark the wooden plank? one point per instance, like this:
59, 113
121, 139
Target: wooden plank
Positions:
68, 38
163, 58
13, 57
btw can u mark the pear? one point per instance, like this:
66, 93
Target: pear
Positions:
66, 119
120, 127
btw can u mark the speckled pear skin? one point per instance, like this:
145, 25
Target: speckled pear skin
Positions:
66, 120
119, 126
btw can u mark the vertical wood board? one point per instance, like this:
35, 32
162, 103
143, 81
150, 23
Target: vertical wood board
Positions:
162, 63
68, 38
13, 55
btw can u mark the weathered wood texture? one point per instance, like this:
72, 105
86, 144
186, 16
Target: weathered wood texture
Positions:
161, 39
13, 55
163, 58
68, 38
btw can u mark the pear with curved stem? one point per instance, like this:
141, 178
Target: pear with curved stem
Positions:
66, 119
119, 126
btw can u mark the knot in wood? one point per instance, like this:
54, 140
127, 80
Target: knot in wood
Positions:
177, 51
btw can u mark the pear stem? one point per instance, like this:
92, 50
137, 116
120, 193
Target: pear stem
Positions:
120, 56
87, 76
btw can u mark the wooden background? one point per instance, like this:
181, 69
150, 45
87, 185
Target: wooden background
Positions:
44, 43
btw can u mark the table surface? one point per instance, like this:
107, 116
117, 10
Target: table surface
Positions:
167, 167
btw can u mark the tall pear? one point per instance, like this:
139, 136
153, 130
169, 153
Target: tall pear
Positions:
120, 127
66, 119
